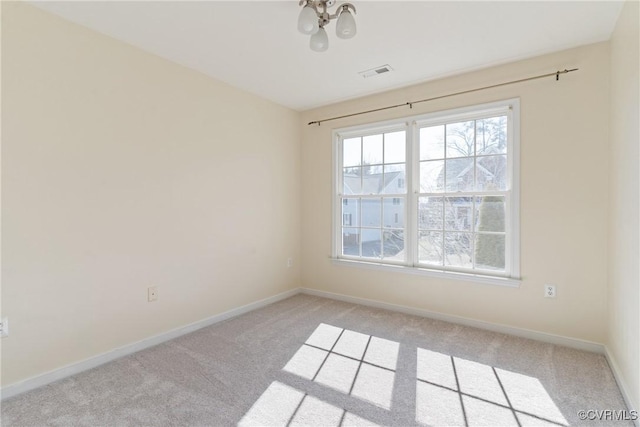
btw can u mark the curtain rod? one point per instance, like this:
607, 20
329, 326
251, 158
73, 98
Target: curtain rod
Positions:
410, 104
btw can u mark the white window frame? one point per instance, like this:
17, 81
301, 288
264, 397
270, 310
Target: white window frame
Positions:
511, 276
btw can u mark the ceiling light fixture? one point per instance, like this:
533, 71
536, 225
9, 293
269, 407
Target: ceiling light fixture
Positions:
314, 16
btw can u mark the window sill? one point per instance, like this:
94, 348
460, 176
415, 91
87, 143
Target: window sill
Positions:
452, 275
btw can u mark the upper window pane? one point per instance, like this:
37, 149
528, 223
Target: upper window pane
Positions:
394, 179
395, 144
432, 143
352, 180
351, 152
432, 176
459, 174
491, 136
372, 150
460, 139
373, 180
491, 174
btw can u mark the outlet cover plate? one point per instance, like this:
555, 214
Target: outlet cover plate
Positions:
550, 291
152, 293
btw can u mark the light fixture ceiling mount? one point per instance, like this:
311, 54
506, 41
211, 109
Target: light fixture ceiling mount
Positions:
314, 16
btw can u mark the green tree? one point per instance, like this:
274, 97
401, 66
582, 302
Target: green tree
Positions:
490, 248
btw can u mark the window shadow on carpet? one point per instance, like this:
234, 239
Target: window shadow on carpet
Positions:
448, 391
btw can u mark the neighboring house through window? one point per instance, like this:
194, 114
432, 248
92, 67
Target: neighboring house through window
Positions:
457, 209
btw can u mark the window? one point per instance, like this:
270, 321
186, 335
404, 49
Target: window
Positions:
372, 167
436, 193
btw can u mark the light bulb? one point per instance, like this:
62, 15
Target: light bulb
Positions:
319, 41
308, 21
346, 26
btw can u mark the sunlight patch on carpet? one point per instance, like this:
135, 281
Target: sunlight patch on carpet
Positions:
527, 394
437, 406
449, 390
457, 392
274, 407
338, 372
349, 362
325, 336
306, 362
479, 380
313, 412
282, 405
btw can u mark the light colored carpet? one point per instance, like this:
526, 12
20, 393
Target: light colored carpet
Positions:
314, 361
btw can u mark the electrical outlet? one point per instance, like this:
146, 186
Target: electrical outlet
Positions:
152, 294
289, 262
4, 327
550, 291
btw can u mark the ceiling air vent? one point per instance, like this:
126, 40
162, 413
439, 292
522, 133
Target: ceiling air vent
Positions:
375, 71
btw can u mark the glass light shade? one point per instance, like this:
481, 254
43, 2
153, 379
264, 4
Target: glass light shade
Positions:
346, 26
319, 41
308, 21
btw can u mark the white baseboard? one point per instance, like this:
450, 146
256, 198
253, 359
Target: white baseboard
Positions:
495, 327
622, 385
75, 368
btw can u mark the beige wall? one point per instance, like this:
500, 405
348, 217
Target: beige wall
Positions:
564, 201
121, 170
624, 219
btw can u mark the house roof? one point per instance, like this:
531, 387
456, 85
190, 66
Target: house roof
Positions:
371, 183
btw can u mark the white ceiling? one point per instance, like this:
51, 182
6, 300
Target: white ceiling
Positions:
255, 45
